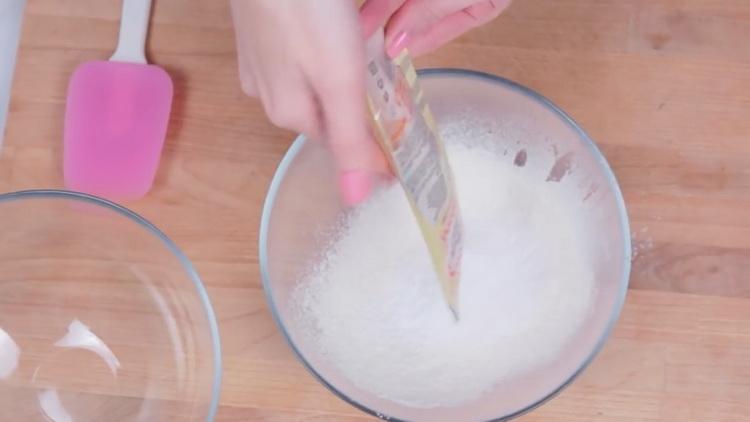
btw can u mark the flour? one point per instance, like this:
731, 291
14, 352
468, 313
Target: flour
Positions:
373, 308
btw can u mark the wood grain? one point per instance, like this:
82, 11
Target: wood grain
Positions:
663, 86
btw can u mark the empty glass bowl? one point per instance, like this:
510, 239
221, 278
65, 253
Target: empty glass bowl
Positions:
101, 316
526, 130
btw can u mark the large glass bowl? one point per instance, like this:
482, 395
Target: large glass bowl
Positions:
303, 202
102, 318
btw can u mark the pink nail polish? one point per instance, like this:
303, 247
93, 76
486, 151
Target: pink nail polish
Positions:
355, 186
399, 43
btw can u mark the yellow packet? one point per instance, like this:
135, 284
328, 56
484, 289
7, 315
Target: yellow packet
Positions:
407, 133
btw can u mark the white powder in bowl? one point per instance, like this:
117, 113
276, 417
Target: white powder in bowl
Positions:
372, 306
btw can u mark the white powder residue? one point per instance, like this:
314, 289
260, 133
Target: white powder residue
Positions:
641, 243
373, 307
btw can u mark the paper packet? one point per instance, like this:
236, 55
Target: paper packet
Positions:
406, 131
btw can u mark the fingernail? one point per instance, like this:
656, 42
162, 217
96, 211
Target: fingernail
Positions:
398, 44
355, 186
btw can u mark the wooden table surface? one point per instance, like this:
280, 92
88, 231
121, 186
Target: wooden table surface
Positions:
662, 85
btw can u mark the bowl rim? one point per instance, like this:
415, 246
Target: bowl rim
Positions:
294, 149
60, 194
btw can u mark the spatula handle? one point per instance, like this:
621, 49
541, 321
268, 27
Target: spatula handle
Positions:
133, 30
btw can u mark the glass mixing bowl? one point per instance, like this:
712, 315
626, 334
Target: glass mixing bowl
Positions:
102, 318
303, 203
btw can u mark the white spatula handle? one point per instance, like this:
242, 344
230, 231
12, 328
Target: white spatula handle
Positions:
133, 30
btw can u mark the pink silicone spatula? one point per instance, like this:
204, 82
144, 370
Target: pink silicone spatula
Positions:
116, 116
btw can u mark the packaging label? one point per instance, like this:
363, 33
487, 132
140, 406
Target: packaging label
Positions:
406, 130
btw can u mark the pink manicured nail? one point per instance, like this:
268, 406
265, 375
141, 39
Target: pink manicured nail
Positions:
355, 186
398, 44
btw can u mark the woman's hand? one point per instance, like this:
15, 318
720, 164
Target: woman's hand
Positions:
424, 25
305, 61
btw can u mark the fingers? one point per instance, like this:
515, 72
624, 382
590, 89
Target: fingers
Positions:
298, 112
415, 16
247, 83
332, 108
338, 78
247, 77
422, 26
375, 13
453, 26
305, 61
357, 156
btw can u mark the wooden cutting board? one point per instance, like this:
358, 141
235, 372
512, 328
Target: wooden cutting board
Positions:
663, 86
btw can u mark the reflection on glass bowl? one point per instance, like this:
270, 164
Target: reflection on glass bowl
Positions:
101, 316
